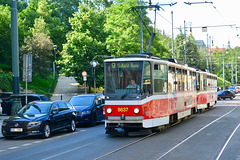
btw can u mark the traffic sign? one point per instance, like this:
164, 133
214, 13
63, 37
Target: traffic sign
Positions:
84, 73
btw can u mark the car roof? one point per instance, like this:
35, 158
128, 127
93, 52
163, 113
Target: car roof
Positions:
48, 101
88, 95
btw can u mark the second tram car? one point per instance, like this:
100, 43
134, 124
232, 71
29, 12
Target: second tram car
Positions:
145, 92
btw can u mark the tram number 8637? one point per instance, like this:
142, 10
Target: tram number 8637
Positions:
125, 109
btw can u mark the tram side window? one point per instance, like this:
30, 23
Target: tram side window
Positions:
160, 78
198, 82
179, 80
171, 79
147, 78
204, 82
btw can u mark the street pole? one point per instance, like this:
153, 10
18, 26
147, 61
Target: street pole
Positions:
16, 104
172, 37
55, 64
223, 71
207, 53
141, 32
236, 68
184, 42
232, 68
210, 40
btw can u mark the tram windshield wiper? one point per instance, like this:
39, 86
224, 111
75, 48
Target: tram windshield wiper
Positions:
124, 95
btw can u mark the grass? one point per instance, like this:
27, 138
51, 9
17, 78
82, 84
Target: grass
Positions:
40, 85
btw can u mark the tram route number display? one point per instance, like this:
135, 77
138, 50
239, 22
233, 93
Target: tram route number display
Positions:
123, 109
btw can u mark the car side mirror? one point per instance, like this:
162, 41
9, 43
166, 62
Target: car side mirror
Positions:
54, 112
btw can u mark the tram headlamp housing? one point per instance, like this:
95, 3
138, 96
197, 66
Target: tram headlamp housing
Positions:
136, 110
109, 110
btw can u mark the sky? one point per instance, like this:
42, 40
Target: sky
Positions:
217, 13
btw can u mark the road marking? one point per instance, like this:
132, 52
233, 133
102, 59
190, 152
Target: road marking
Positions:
37, 142
70, 150
2, 150
126, 145
13, 147
225, 145
27, 144
194, 134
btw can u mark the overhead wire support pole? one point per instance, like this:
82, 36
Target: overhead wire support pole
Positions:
157, 7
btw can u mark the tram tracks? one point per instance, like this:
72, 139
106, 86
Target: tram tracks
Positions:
181, 142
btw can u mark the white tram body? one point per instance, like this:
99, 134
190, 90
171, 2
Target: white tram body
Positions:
165, 92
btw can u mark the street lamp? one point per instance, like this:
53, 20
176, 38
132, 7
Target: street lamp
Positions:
94, 64
54, 63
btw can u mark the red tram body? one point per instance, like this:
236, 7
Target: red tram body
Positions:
164, 92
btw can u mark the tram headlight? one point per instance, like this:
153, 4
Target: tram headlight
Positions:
136, 110
109, 110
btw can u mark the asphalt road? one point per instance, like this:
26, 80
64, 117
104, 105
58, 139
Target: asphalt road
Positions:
211, 135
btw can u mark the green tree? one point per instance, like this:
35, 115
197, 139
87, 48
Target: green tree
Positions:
123, 29
40, 46
194, 57
85, 41
5, 36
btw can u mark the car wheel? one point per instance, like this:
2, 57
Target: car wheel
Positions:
46, 131
72, 127
231, 98
219, 98
223, 98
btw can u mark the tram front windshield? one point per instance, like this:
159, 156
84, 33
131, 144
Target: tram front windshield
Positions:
123, 79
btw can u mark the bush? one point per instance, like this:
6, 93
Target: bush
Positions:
6, 82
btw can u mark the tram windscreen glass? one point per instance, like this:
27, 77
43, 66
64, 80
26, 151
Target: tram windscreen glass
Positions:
123, 77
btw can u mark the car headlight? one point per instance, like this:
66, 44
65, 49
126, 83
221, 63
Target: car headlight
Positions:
34, 124
109, 110
136, 110
86, 112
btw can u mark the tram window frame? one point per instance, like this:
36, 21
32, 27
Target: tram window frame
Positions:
171, 79
160, 78
147, 79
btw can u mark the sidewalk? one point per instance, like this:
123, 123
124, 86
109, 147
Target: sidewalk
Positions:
65, 89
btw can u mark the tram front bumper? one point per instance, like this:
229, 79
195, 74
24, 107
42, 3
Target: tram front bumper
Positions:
129, 123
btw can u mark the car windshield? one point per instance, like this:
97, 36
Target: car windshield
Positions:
35, 108
82, 100
232, 88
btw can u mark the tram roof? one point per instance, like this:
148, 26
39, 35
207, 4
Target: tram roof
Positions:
170, 62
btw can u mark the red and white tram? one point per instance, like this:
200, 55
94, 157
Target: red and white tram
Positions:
144, 92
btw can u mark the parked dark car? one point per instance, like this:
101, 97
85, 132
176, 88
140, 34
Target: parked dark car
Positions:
5, 95
233, 89
40, 118
90, 108
7, 103
225, 94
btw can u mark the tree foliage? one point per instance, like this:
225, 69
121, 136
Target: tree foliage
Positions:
5, 30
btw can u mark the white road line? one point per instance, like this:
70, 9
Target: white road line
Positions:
225, 145
27, 144
194, 134
37, 142
13, 147
67, 151
2, 150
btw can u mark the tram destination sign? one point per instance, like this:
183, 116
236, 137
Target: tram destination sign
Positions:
125, 65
